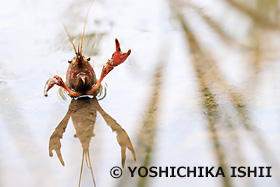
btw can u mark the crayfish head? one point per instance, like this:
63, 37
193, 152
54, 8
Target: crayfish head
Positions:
80, 75
79, 61
82, 80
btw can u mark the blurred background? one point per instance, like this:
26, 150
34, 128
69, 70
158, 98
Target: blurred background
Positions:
200, 88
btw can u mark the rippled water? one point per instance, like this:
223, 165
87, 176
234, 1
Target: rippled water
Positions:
200, 88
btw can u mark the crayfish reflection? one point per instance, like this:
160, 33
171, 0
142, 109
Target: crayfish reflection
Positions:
83, 112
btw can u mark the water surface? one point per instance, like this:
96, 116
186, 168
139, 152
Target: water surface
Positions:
200, 88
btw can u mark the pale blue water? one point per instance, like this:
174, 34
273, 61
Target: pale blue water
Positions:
197, 91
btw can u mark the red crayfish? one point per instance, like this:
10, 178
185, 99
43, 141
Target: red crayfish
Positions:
80, 76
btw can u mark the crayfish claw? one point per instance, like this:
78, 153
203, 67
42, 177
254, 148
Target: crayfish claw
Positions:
125, 55
118, 48
49, 84
118, 56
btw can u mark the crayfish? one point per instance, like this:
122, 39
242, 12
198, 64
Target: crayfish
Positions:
81, 80
80, 76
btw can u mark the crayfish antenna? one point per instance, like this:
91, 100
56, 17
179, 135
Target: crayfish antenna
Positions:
70, 38
79, 54
82, 41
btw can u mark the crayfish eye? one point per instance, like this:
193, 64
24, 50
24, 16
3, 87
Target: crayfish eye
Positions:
69, 61
88, 59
